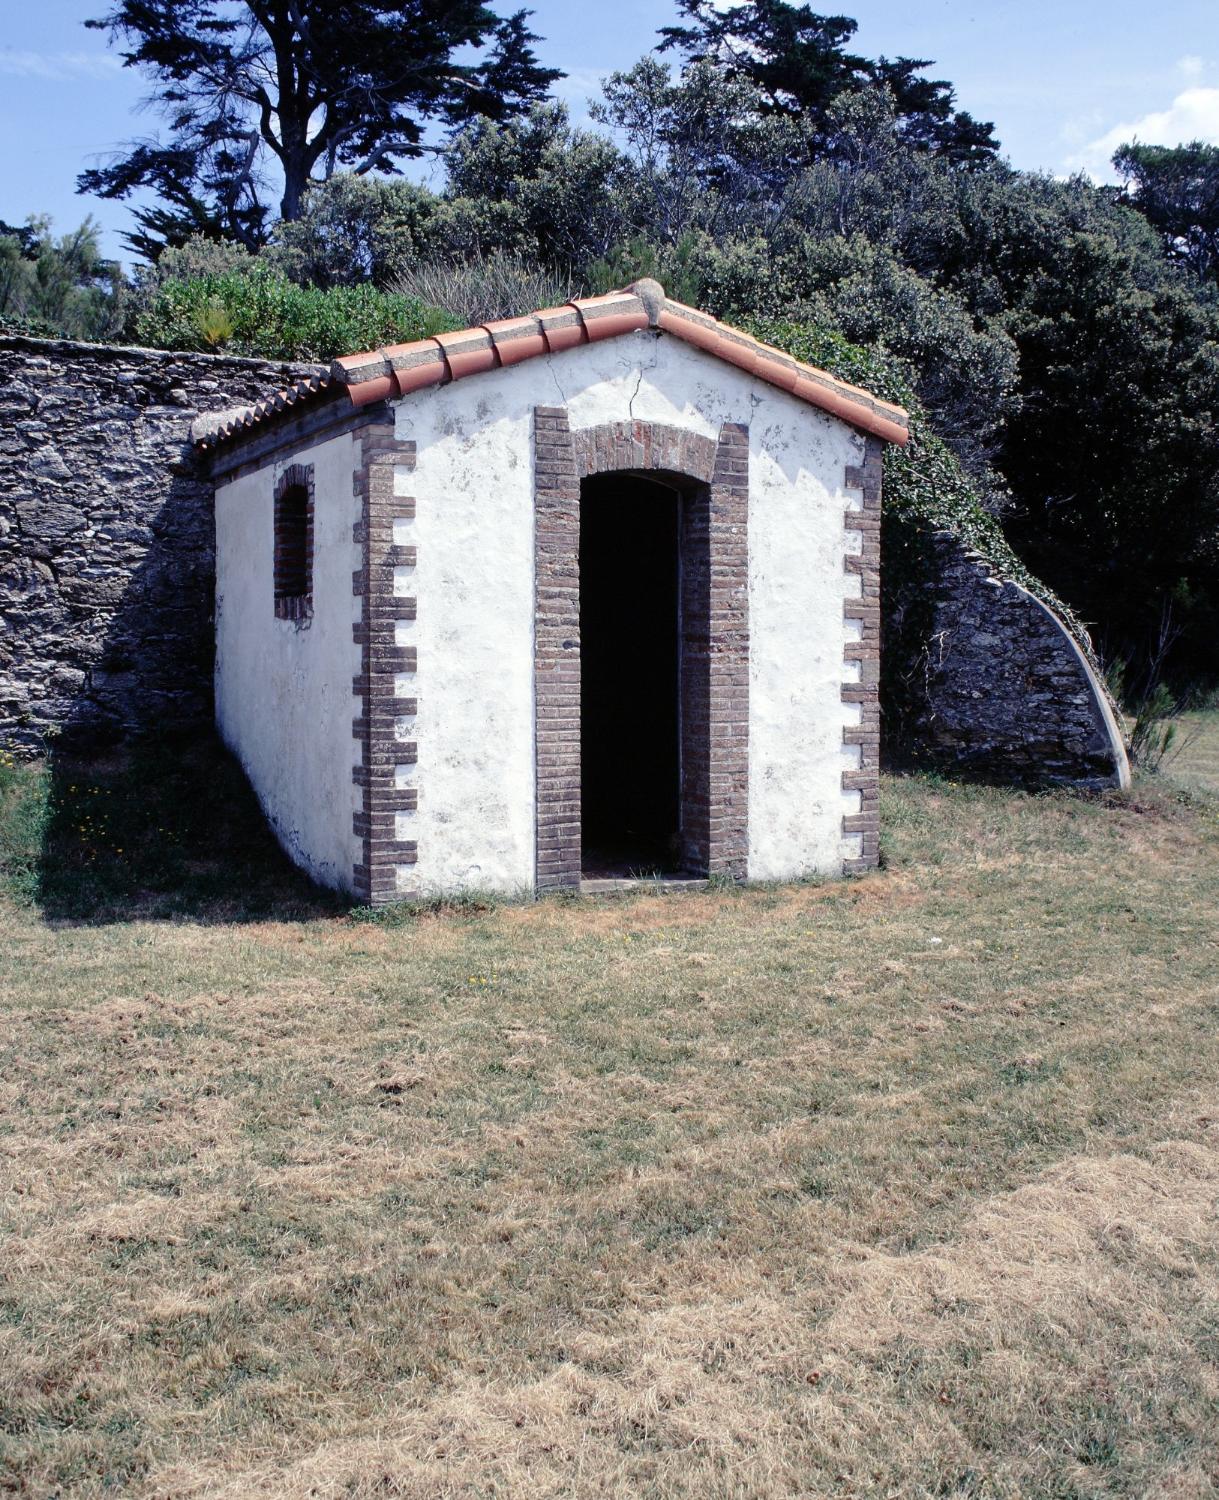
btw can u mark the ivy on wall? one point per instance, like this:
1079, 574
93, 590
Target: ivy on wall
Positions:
925, 487
926, 491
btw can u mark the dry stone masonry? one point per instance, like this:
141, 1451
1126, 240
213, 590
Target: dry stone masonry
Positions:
1007, 693
106, 536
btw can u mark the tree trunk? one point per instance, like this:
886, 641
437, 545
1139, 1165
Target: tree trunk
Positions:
295, 182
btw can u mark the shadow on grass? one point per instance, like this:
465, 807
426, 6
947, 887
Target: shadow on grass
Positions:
154, 830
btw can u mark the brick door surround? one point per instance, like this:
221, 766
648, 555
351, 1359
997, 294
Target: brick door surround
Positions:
712, 477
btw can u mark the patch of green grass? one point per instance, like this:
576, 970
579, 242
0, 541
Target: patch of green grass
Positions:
153, 831
471, 903
23, 820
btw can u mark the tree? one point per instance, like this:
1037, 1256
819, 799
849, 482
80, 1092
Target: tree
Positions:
1113, 454
533, 188
558, 183
1176, 189
799, 62
1071, 367
701, 152
355, 229
62, 287
183, 182
308, 86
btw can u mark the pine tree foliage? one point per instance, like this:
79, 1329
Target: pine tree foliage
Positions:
799, 62
1176, 189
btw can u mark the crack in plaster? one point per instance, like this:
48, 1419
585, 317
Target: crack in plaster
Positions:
646, 366
630, 405
555, 378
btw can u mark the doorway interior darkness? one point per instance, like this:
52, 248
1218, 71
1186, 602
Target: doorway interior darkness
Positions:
630, 675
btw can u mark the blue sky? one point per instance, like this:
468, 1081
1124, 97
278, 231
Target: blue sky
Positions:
1064, 80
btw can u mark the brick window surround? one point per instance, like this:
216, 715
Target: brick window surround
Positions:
711, 477
293, 513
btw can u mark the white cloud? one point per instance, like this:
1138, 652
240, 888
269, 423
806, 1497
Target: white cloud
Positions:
579, 85
1192, 116
56, 67
577, 90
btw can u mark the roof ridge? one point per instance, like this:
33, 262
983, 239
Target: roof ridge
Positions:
396, 370
683, 309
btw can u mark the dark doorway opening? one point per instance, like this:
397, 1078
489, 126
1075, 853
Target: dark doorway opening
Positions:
630, 666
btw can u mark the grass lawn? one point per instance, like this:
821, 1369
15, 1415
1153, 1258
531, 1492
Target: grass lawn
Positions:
1194, 757
901, 1186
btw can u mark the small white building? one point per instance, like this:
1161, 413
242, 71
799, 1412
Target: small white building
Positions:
589, 592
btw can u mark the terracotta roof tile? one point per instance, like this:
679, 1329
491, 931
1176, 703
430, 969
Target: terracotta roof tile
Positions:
382, 374
210, 429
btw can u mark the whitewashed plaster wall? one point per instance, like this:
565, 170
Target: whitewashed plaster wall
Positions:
284, 701
473, 488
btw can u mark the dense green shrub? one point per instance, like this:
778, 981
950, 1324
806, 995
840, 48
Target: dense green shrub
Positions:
354, 230
555, 193
926, 490
926, 487
965, 375
197, 256
532, 187
965, 370
257, 311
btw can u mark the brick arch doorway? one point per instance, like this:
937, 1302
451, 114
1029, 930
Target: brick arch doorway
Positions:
693, 492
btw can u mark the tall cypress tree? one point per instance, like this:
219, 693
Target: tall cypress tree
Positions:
304, 88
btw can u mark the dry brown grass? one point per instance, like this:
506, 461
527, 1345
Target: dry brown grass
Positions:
901, 1187
1196, 760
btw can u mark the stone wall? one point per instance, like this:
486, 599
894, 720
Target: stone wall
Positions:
106, 536
1006, 693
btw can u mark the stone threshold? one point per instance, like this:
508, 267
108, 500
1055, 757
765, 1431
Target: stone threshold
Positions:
609, 885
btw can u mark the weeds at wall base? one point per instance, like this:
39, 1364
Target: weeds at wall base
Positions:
404, 913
